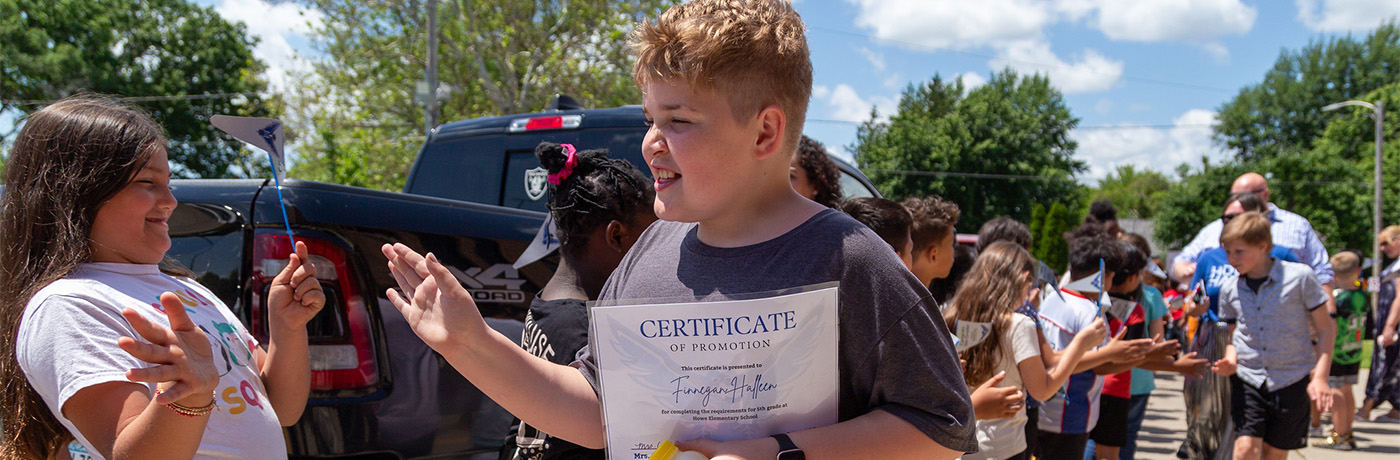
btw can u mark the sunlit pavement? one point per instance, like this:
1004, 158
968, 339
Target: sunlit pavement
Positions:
1164, 427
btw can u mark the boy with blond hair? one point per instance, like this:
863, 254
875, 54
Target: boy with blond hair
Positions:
725, 86
1275, 371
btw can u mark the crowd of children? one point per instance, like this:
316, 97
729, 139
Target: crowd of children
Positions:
739, 203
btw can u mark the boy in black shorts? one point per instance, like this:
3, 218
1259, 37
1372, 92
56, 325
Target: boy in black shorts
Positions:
1275, 370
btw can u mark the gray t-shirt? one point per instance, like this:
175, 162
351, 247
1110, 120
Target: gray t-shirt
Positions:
894, 354
1271, 325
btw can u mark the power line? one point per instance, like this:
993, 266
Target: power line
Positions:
990, 56
1157, 126
961, 174
904, 172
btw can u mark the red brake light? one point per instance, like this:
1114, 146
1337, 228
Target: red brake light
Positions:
338, 360
545, 123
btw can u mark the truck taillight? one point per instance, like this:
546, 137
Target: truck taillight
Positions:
547, 122
341, 348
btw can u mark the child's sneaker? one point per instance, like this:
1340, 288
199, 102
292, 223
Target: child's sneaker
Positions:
1338, 442
1316, 431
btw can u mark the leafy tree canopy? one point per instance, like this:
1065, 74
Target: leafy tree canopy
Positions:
187, 59
965, 147
495, 57
1135, 192
1281, 114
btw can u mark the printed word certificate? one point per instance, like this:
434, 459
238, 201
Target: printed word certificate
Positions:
725, 370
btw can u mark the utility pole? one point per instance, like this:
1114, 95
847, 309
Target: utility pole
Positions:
430, 107
1379, 115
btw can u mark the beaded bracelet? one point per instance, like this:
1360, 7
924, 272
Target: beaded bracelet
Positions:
192, 411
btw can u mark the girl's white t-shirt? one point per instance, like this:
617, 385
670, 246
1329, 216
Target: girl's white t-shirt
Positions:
1003, 438
67, 341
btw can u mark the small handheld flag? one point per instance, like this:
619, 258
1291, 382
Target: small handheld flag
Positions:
266, 134
1091, 283
1098, 302
543, 243
970, 333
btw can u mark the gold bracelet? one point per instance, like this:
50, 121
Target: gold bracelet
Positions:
193, 411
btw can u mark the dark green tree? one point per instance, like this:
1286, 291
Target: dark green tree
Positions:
187, 61
968, 148
495, 57
1282, 113
1048, 229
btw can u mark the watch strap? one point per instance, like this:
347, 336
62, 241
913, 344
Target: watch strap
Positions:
787, 450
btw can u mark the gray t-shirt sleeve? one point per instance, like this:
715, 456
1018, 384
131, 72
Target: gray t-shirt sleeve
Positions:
912, 380
1313, 293
1229, 299
68, 344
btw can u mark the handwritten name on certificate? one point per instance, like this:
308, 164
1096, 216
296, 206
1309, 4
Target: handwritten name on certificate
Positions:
724, 370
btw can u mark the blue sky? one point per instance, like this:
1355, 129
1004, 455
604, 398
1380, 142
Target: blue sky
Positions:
1145, 77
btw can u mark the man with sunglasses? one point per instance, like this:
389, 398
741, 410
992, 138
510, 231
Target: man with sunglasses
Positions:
1289, 230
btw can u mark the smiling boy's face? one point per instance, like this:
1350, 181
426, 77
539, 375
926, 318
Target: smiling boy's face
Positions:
700, 156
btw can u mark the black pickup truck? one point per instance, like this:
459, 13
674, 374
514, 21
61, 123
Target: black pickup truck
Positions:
474, 198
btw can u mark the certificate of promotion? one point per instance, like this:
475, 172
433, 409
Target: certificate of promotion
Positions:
725, 370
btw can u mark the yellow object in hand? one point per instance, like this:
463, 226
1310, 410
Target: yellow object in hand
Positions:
668, 451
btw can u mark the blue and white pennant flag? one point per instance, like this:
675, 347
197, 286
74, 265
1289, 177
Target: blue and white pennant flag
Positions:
265, 134
1091, 283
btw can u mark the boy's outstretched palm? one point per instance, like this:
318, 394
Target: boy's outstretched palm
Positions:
433, 302
1225, 366
1127, 350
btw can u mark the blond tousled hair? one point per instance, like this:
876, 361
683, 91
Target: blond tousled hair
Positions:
1345, 262
754, 52
1251, 228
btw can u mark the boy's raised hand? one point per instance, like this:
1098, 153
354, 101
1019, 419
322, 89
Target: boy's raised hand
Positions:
1091, 336
1191, 365
1226, 366
296, 295
1127, 350
433, 302
1163, 349
181, 354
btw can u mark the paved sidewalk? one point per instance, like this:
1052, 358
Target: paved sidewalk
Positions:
1165, 426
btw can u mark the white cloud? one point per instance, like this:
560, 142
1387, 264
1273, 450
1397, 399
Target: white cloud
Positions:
954, 24
1346, 15
1160, 149
847, 105
971, 80
877, 60
1091, 72
1173, 20
274, 25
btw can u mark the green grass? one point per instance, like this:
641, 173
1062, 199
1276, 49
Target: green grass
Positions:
1366, 353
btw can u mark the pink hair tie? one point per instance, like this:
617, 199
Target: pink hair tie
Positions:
557, 178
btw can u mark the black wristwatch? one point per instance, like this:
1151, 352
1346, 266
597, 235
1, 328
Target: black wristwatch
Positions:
787, 450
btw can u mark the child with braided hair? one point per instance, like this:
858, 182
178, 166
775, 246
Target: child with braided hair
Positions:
600, 206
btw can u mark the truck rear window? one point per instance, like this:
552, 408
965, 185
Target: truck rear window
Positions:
501, 169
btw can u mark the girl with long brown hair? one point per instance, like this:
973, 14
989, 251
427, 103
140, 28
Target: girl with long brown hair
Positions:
999, 283
99, 343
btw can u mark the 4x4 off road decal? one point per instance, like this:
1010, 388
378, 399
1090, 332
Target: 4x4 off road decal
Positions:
535, 182
481, 283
